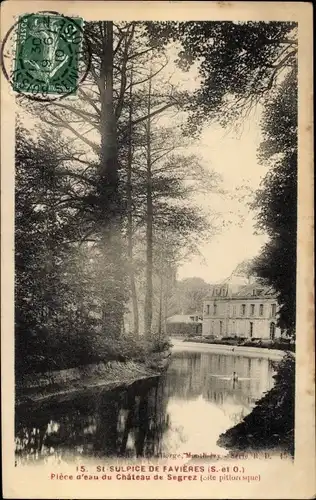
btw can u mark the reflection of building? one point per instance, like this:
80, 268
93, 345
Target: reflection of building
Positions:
241, 307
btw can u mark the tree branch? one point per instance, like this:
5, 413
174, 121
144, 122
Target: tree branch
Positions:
74, 175
138, 54
123, 89
84, 115
283, 41
63, 123
90, 101
149, 77
154, 113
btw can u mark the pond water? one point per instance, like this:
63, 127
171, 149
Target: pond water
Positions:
183, 411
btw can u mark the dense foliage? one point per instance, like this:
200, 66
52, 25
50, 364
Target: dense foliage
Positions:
276, 200
67, 301
187, 296
54, 278
133, 183
238, 62
108, 220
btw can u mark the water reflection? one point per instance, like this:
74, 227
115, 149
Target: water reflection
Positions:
183, 411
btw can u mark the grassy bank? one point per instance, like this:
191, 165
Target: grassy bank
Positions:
130, 360
278, 344
270, 425
61, 384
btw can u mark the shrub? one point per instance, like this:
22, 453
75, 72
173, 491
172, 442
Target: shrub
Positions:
160, 344
183, 329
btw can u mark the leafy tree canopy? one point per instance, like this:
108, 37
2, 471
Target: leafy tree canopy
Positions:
239, 62
276, 200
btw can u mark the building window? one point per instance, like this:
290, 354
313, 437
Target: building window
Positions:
208, 309
252, 310
251, 329
273, 310
215, 309
221, 327
261, 310
272, 331
243, 309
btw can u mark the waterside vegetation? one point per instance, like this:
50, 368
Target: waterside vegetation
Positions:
283, 344
270, 425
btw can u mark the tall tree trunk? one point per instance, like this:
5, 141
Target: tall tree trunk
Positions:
109, 162
130, 214
109, 193
166, 305
149, 226
160, 305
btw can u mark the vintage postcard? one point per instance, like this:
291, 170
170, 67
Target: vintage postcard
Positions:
157, 250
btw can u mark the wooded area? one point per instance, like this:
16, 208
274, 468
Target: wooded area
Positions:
103, 185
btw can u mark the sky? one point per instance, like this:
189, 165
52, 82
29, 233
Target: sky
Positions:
234, 156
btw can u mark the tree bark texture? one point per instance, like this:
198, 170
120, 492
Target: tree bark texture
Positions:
149, 225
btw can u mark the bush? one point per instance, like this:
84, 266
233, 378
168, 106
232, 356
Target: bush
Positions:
50, 351
160, 344
241, 341
102, 348
183, 329
283, 344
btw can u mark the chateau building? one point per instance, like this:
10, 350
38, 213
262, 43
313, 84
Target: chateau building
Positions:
243, 307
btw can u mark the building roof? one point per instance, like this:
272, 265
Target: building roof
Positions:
236, 288
182, 318
254, 290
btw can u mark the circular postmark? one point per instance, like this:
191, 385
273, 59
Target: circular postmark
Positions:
46, 56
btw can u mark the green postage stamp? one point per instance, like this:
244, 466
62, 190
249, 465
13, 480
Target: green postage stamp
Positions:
47, 54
